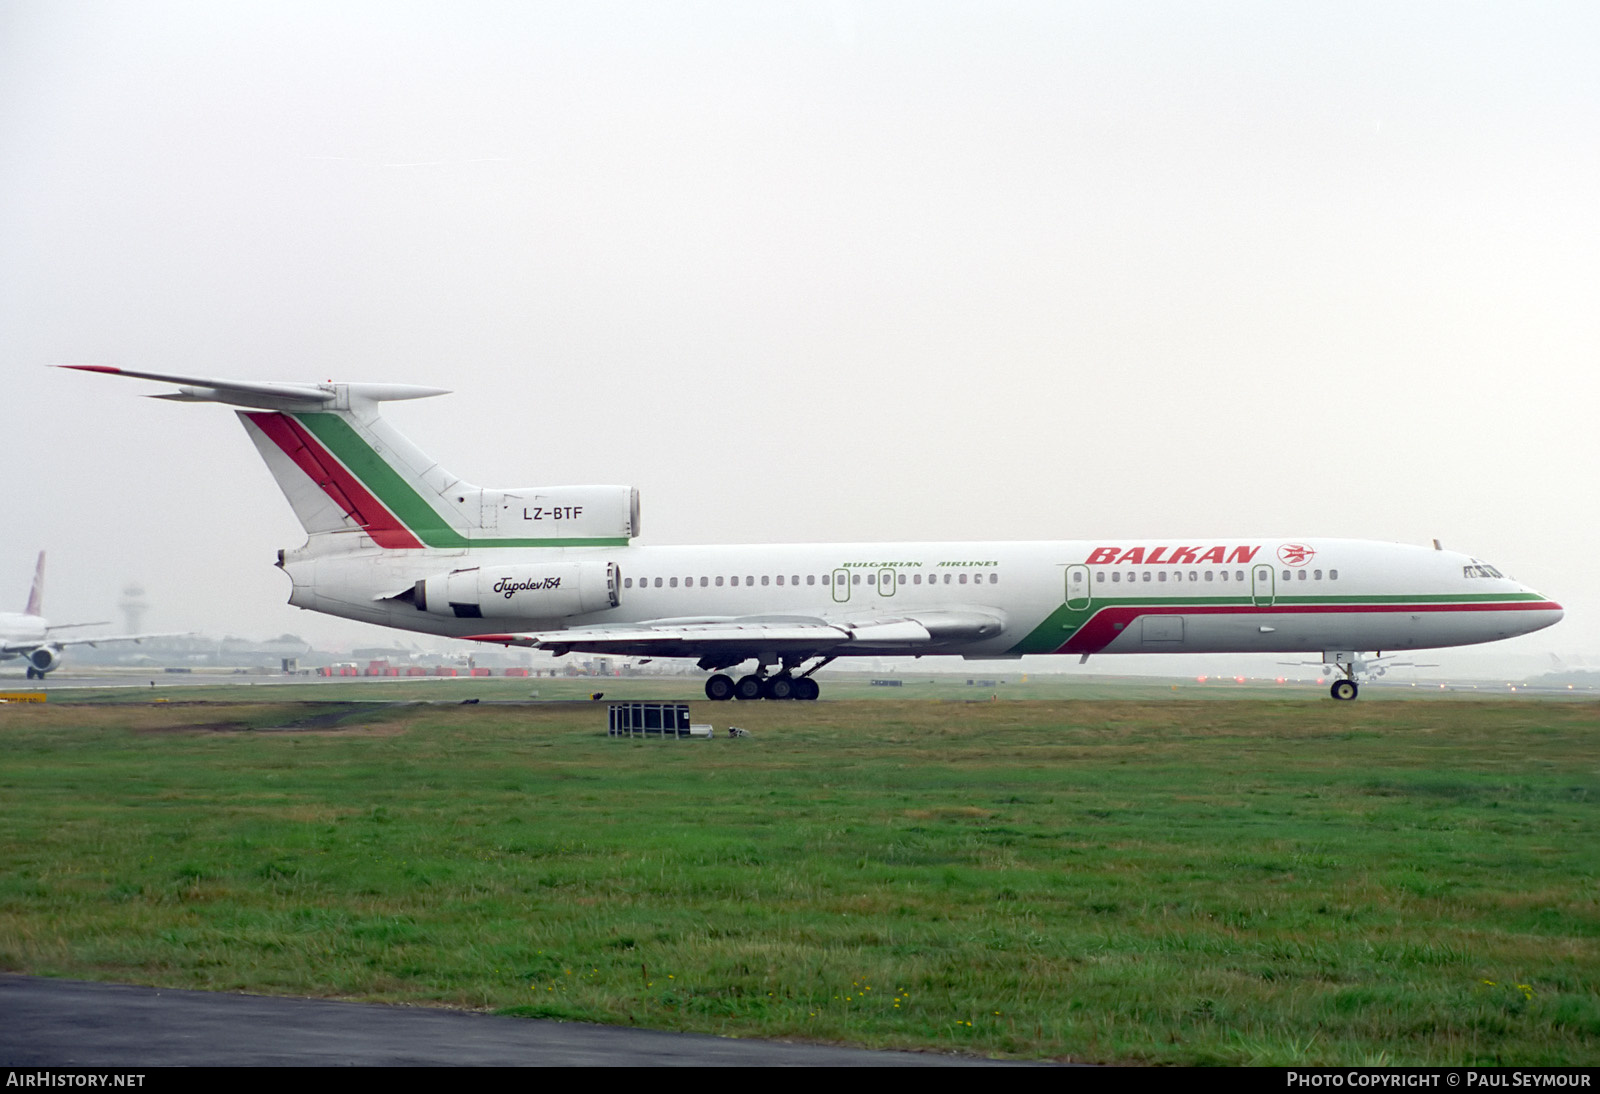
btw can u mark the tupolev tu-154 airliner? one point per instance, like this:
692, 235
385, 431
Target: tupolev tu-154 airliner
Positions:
395, 539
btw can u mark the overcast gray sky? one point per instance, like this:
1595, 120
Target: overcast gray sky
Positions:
810, 271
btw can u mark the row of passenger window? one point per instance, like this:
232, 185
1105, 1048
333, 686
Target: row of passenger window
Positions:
811, 579
1209, 575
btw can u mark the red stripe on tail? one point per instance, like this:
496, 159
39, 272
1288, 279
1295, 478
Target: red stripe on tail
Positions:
328, 473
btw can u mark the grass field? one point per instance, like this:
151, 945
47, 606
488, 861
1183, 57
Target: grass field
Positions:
1174, 881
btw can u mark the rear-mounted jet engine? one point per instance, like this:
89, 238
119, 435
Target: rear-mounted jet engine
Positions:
520, 592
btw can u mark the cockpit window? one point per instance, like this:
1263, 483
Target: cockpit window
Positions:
1480, 569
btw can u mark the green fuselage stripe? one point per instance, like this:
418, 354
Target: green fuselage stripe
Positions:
571, 541
398, 495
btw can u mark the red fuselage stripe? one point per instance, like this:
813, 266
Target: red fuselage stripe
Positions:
1109, 624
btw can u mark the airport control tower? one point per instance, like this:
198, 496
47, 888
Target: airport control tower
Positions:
133, 607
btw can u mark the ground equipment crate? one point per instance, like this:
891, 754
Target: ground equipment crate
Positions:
649, 720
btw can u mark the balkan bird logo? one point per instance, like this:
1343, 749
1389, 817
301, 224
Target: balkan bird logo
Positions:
1296, 554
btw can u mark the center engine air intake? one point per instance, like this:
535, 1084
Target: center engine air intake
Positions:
521, 592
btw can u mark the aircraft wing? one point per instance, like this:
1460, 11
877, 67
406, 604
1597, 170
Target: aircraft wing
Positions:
14, 648
698, 638
679, 640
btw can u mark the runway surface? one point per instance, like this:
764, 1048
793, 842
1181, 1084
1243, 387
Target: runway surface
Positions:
70, 1023
66, 680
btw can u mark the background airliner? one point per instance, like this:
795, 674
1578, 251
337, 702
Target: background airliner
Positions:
30, 636
395, 539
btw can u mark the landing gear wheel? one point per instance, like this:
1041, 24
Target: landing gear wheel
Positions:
1343, 689
748, 687
806, 688
778, 687
32, 674
719, 687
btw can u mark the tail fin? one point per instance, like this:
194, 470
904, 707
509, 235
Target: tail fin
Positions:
344, 469
36, 594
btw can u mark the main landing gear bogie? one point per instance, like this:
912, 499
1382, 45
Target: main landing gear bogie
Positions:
754, 686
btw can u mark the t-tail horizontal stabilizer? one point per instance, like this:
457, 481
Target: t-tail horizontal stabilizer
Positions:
270, 394
345, 470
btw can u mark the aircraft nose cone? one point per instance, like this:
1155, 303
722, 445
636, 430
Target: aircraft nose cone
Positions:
1551, 615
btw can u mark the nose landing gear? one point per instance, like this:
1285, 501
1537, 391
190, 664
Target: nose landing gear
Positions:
1349, 664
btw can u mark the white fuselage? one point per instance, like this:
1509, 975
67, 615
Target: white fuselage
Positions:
1074, 597
19, 630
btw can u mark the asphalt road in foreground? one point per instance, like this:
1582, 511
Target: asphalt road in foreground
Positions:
70, 1023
